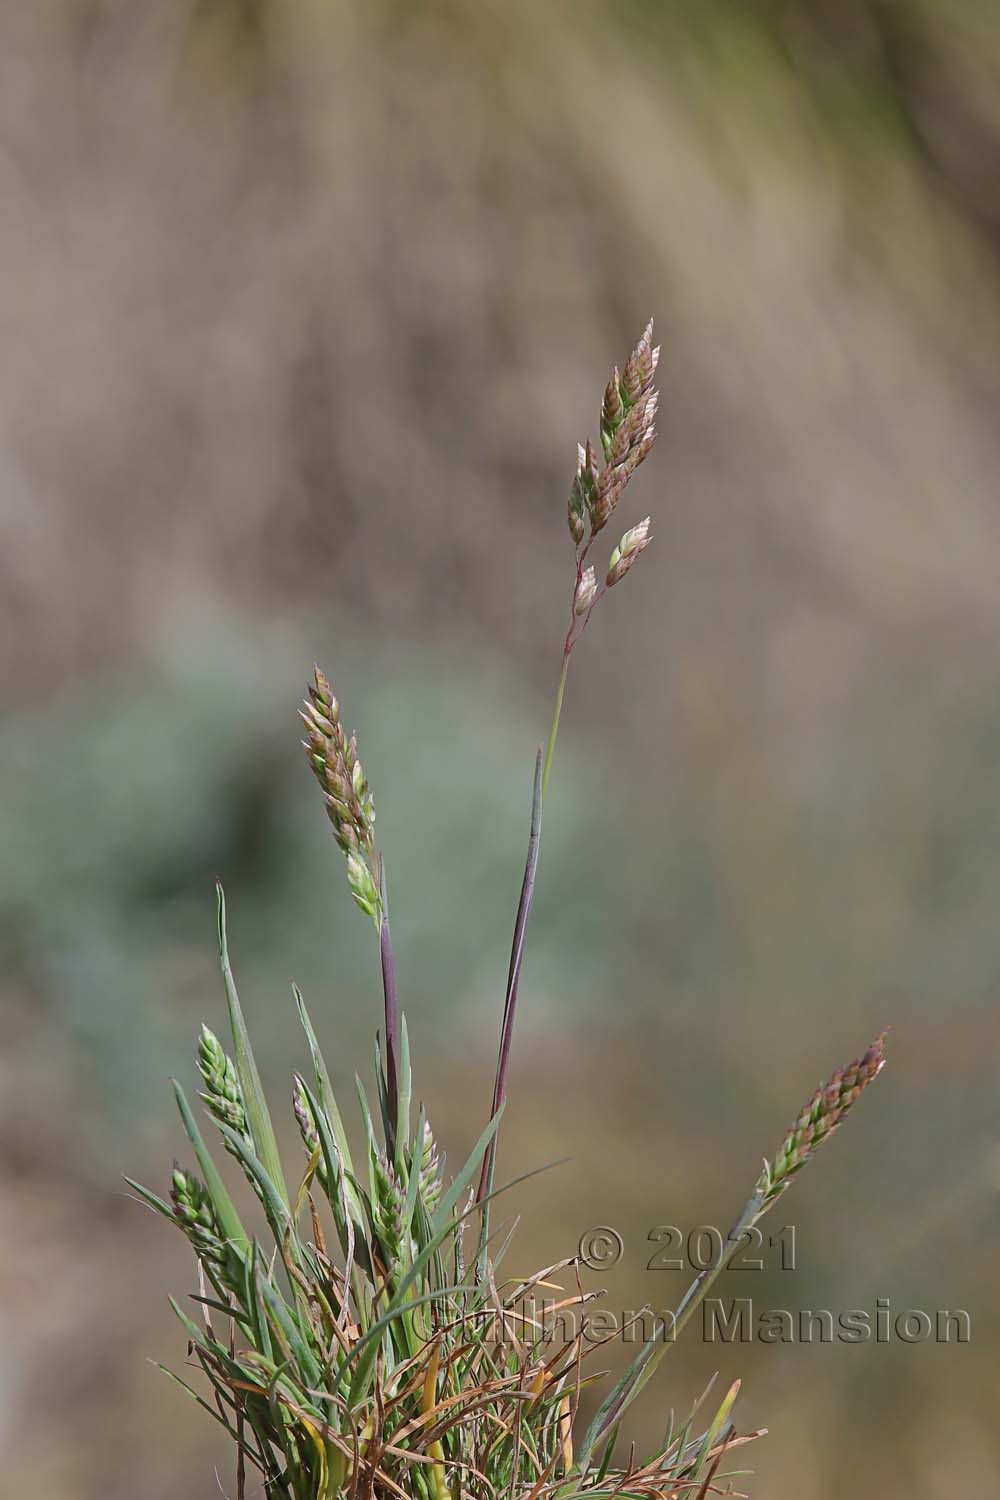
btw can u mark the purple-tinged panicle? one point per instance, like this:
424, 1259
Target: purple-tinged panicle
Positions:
637, 377
348, 798
628, 415
633, 432
825, 1111
334, 763
627, 428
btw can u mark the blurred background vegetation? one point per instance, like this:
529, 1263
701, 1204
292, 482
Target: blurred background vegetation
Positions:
303, 309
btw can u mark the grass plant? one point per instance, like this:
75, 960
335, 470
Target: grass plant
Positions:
358, 1337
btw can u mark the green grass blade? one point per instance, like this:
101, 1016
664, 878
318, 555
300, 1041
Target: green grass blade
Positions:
281, 1315
365, 1351
323, 1084
252, 1301
228, 1310
195, 1332
189, 1390
258, 1114
464, 1178
609, 1449
339, 1181
713, 1432
152, 1200
278, 1216
371, 1139
405, 1098
413, 1185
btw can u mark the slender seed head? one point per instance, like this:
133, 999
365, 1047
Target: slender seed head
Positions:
347, 797
627, 425
193, 1212
334, 762
429, 1165
388, 1208
825, 1111
223, 1096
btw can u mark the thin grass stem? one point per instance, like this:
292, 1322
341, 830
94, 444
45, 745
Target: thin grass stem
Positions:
554, 727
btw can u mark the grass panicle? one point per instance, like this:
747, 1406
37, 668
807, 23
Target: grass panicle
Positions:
824, 1113
222, 1096
350, 805
358, 1338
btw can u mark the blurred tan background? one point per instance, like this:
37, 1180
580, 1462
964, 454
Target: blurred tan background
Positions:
303, 307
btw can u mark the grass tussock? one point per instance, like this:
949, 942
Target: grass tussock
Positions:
366, 1342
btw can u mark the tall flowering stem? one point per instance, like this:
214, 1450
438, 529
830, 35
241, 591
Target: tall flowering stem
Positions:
627, 419
514, 974
350, 807
628, 431
391, 1009
387, 1363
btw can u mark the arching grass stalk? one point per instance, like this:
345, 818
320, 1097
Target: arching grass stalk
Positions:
819, 1118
